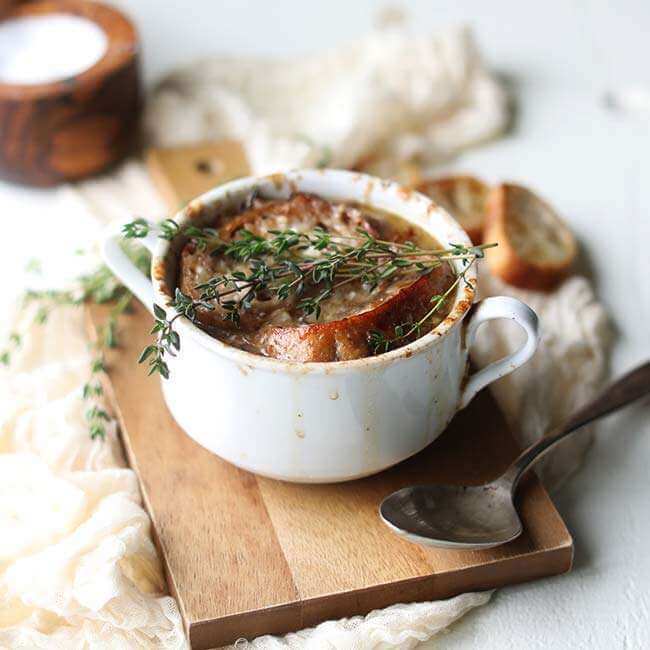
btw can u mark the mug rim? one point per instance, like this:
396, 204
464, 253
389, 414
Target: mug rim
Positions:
292, 180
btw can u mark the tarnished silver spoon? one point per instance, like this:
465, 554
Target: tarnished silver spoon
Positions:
483, 516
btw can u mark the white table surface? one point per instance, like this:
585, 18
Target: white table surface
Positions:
560, 58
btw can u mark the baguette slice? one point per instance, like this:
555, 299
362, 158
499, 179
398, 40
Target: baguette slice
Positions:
347, 338
536, 249
464, 197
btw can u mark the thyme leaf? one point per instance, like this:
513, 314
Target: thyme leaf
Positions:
99, 287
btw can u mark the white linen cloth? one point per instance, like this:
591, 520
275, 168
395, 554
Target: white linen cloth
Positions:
77, 565
383, 99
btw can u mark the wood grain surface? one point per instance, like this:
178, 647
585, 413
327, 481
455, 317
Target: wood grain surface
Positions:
246, 555
68, 129
183, 173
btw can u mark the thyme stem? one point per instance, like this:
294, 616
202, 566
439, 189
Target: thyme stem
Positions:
284, 265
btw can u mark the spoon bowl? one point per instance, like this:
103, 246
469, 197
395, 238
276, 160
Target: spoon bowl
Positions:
483, 516
453, 516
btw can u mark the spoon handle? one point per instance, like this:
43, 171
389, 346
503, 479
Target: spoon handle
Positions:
630, 387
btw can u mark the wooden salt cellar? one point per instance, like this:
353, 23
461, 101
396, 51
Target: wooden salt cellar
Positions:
71, 128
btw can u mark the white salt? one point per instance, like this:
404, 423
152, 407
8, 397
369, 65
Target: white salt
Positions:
42, 49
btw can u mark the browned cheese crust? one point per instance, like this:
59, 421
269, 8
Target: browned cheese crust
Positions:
277, 328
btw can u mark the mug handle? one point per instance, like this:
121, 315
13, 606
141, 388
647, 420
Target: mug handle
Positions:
492, 309
125, 270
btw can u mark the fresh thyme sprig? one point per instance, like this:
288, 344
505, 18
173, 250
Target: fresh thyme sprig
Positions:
308, 267
168, 341
99, 287
13, 344
96, 416
281, 266
140, 228
168, 229
93, 387
136, 229
380, 343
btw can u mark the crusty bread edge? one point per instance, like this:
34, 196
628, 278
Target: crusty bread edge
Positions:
505, 262
475, 233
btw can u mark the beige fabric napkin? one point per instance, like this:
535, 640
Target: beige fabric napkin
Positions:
77, 565
385, 98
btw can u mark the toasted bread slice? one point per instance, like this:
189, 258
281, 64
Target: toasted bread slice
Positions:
536, 249
347, 338
275, 328
463, 197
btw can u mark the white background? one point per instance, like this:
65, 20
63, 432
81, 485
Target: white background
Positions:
560, 59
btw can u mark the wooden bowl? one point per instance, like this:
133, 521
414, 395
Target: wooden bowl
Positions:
71, 128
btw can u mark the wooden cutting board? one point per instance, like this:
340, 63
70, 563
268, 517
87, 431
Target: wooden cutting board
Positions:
246, 555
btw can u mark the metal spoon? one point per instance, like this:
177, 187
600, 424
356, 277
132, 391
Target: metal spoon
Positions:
483, 516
